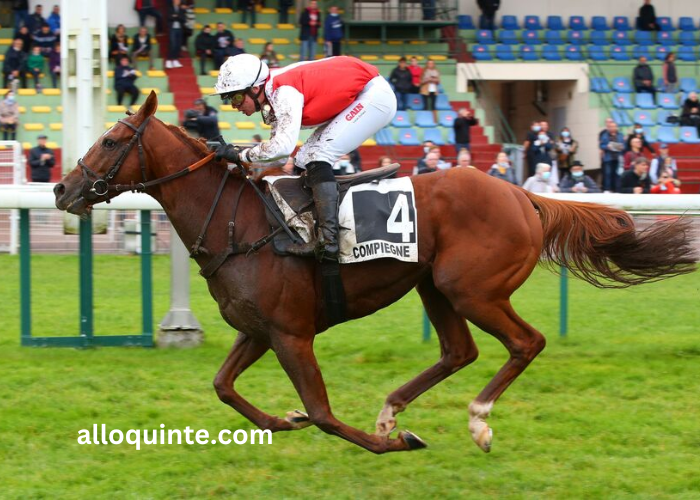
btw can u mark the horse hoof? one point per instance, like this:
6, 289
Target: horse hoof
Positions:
484, 438
413, 441
298, 419
386, 427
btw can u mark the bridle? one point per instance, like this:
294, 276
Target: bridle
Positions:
101, 185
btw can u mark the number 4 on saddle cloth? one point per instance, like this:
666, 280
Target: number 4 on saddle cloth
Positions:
377, 216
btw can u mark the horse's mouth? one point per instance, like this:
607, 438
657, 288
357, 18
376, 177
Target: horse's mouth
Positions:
79, 207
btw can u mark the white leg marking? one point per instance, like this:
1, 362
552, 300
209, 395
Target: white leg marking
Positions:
479, 429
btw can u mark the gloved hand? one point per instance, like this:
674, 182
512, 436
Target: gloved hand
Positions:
230, 153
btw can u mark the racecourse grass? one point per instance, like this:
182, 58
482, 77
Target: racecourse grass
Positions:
610, 412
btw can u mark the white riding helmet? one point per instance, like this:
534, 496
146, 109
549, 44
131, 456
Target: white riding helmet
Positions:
241, 72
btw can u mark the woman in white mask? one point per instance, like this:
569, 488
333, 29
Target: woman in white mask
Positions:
542, 181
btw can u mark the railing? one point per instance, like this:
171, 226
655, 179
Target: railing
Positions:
402, 10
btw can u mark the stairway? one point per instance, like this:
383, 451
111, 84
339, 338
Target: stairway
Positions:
183, 84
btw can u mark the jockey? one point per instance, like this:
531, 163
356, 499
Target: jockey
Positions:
343, 98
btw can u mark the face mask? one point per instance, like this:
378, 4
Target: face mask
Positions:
578, 175
536, 128
546, 176
504, 164
638, 130
643, 176
10, 100
426, 149
344, 163
543, 137
565, 134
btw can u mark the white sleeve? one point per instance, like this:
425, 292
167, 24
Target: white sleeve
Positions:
288, 105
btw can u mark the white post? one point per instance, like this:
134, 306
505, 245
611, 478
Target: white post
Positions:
19, 176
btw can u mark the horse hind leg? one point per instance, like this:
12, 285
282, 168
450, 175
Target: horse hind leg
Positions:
457, 349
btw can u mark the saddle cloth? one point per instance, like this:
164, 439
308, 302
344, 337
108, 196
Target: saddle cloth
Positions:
377, 216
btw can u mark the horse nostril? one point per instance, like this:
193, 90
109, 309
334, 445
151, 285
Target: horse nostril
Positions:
59, 190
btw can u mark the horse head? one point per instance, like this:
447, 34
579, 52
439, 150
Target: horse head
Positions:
116, 157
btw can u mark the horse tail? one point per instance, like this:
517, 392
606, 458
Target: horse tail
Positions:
601, 245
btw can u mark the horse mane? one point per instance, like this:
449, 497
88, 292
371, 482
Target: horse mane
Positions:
198, 146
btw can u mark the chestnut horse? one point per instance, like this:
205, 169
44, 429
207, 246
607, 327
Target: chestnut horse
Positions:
479, 240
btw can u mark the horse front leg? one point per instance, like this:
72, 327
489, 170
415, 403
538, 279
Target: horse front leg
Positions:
297, 357
245, 352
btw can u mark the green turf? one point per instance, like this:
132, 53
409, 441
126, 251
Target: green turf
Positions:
610, 412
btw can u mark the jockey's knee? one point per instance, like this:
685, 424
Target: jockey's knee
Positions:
318, 172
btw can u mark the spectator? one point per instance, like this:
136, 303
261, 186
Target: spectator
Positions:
638, 132
333, 32
502, 170
309, 21
26, 37
147, 8
416, 74
647, 17
636, 179
566, 148
118, 44
608, 121
190, 22
384, 161
176, 26
238, 47
343, 166
611, 145
36, 19
45, 40
141, 46
542, 181
634, 153
269, 56
529, 147
356, 159
21, 10
35, 65
427, 146
542, 146
203, 120
205, 45
124, 77
257, 139
643, 78
248, 7
430, 164
15, 65
669, 73
663, 164
9, 116
401, 79
464, 159
224, 43
224, 4
576, 181
284, 6
41, 161
55, 65
667, 185
690, 113
462, 127
442, 164
488, 8
54, 20
430, 80
428, 7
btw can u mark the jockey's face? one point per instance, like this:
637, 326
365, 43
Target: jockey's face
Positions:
247, 107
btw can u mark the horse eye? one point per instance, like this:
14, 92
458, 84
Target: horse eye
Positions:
109, 143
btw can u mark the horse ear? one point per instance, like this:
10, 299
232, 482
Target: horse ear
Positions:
150, 106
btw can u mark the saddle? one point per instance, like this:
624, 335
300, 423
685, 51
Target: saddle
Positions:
297, 196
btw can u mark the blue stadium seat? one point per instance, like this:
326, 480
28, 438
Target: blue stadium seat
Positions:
666, 101
576, 37
385, 137
690, 135
553, 38
485, 37
639, 51
442, 102
597, 53
618, 53
529, 53
685, 38
621, 23
688, 84
446, 118
667, 134
408, 137
662, 115
532, 23
622, 84
401, 120
555, 23
481, 53
433, 134
508, 37
644, 118
551, 53
621, 118
665, 37
665, 23
573, 53
623, 101
415, 102
686, 24
645, 101
599, 23
600, 85
662, 51
531, 37
643, 38
621, 38
509, 23
425, 119
599, 37
687, 54
577, 23
465, 22
505, 53
451, 136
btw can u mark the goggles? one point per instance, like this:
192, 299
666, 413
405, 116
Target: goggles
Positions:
234, 98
